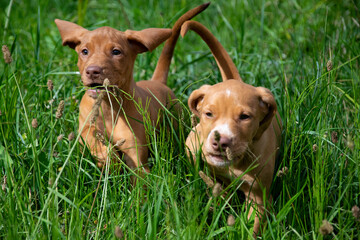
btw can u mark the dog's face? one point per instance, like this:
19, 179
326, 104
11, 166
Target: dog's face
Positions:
108, 53
232, 115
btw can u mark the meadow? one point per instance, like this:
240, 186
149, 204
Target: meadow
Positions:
306, 52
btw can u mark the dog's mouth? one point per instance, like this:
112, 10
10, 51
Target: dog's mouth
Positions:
93, 89
219, 159
95, 86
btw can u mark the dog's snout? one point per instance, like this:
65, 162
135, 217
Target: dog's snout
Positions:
221, 143
93, 71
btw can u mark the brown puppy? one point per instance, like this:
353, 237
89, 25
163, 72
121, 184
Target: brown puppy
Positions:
238, 132
106, 53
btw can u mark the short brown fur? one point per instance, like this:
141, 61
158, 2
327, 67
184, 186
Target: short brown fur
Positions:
106, 53
239, 129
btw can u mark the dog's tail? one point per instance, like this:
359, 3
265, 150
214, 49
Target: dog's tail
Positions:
163, 65
226, 65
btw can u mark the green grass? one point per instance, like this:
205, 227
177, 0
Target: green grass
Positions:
53, 188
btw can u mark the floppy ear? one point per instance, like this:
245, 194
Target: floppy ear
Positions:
196, 98
268, 108
147, 39
71, 33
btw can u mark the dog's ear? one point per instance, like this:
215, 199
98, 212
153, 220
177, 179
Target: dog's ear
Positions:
268, 109
147, 39
70, 33
196, 98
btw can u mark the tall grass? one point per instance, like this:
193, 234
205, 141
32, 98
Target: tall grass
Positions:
306, 52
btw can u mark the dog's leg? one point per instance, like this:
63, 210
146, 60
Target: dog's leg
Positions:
255, 202
96, 145
133, 159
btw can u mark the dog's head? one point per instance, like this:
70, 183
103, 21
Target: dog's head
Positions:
232, 115
108, 53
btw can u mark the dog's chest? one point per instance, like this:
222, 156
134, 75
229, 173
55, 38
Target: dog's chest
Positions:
230, 174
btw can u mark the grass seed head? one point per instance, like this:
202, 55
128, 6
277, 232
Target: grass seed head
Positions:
60, 137
356, 212
283, 172
4, 183
95, 108
71, 136
0, 113
334, 137
229, 154
230, 220
99, 99
217, 189
208, 181
94, 116
7, 54
106, 82
314, 148
100, 137
50, 85
193, 120
326, 228
120, 142
118, 233
34, 123
329, 65
60, 109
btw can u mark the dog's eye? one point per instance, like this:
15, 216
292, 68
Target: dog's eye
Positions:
116, 52
85, 51
209, 114
244, 116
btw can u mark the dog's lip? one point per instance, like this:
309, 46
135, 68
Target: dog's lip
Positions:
94, 93
218, 160
94, 85
94, 88
219, 157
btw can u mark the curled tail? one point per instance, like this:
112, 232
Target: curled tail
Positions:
163, 65
226, 65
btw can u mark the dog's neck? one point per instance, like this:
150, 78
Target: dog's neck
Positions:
246, 159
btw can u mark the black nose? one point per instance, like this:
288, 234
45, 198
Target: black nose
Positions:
222, 143
93, 72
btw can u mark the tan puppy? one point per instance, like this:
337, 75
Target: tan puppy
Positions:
238, 132
106, 53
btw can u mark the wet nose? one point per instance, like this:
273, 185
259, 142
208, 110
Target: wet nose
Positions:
221, 143
93, 71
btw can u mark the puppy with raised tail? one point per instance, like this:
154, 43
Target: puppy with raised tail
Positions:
106, 53
239, 129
